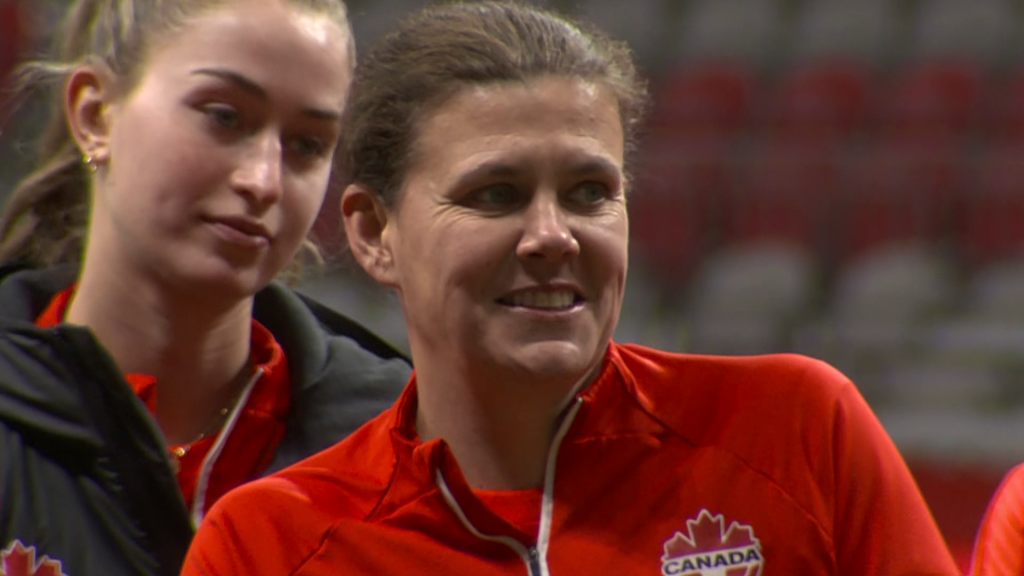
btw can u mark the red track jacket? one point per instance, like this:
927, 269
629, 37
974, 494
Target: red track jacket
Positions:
999, 549
667, 464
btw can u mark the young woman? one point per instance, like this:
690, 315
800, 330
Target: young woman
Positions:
487, 148
999, 548
148, 364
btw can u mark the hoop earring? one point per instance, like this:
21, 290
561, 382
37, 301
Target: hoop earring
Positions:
90, 164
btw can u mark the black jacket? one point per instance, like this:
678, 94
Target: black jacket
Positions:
84, 472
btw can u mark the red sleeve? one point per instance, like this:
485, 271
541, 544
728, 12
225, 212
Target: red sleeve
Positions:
882, 525
999, 548
264, 527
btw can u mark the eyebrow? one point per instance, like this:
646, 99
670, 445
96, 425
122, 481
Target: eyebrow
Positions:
256, 90
596, 165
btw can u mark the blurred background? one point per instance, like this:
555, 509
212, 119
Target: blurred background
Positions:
839, 178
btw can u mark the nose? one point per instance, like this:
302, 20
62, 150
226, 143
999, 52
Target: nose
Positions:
258, 176
547, 234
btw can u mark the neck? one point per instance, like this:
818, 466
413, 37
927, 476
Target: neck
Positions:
197, 350
500, 433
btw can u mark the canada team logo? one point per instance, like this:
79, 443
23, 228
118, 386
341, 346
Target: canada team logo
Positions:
710, 550
17, 560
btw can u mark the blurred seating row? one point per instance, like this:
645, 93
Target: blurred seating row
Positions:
768, 33
773, 33
830, 101
690, 200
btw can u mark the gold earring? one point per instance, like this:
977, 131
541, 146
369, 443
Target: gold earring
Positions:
90, 164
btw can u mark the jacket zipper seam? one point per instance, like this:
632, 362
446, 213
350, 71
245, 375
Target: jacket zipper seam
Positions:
535, 557
210, 460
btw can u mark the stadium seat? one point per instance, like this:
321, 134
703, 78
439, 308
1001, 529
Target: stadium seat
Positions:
742, 31
991, 225
982, 31
703, 100
1004, 113
995, 291
879, 305
674, 203
860, 31
936, 382
784, 192
746, 298
895, 283
938, 100
821, 103
897, 192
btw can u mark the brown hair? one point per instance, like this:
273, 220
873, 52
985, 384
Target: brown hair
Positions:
442, 49
45, 219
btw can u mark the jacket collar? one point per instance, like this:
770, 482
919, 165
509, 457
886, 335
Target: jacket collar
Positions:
605, 410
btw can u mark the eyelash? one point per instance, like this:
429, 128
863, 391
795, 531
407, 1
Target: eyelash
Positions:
215, 113
605, 192
514, 195
227, 117
319, 148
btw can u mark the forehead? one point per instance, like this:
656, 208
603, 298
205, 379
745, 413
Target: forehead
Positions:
545, 119
268, 41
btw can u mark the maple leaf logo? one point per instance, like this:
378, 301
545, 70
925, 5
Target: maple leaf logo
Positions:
17, 560
709, 549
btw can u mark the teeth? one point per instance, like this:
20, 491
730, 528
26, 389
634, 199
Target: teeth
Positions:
544, 300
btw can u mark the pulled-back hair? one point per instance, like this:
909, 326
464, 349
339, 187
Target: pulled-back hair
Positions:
45, 219
442, 49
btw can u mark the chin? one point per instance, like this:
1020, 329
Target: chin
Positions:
222, 281
555, 361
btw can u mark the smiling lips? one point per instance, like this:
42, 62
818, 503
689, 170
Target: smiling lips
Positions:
542, 299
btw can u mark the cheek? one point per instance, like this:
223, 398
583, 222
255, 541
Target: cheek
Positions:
609, 258
159, 158
440, 259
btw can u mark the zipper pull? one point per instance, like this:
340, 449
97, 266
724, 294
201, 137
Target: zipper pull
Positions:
534, 561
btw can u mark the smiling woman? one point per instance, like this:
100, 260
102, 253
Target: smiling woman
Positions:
148, 362
487, 147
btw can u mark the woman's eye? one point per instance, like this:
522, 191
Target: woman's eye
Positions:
498, 194
308, 147
589, 193
223, 115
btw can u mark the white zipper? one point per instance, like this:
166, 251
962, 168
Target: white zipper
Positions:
509, 541
547, 503
540, 558
203, 482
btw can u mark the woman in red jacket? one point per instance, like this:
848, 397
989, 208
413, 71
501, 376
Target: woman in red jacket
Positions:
999, 549
486, 148
148, 363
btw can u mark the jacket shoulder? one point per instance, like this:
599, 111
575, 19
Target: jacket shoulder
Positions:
737, 403
762, 377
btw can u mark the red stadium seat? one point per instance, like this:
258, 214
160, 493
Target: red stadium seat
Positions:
933, 101
786, 193
992, 224
673, 206
898, 192
706, 100
822, 102
1004, 115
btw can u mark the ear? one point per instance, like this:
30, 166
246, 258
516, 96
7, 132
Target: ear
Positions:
369, 237
88, 94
